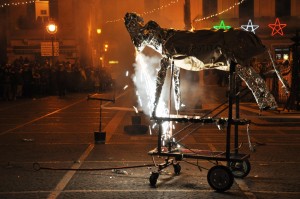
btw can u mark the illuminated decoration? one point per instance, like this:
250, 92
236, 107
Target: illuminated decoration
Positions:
16, 3
113, 62
277, 27
195, 51
250, 27
98, 31
222, 12
222, 26
148, 12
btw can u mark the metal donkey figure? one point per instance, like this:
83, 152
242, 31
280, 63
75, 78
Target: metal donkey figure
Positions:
200, 50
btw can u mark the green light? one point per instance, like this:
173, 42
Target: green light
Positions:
222, 26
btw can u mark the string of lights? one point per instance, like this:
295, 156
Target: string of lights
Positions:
16, 3
143, 14
222, 12
148, 12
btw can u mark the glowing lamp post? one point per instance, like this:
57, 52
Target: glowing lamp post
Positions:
98, 48
52, 29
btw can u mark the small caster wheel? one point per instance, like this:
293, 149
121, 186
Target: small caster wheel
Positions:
240, 169
220, 178
153, 178
177, 168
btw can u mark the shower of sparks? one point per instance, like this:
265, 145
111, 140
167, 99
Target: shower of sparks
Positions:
148, 82
145, 81
135, 109
150, 131
154, 125
125, 87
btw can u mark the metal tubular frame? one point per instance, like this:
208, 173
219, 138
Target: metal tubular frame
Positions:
227, 156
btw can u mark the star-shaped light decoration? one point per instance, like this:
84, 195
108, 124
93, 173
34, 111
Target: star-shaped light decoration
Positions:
250, 26
277, 27
222, 26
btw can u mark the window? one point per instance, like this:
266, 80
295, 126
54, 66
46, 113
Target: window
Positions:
282, 54
43, 12
210, 7
246, 9
282, 8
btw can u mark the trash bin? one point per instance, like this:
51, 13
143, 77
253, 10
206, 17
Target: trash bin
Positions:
100, 137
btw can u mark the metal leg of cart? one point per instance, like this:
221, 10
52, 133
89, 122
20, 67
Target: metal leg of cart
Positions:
155, 174
221, 177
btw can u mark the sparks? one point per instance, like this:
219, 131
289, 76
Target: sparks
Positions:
125, 87
135, 109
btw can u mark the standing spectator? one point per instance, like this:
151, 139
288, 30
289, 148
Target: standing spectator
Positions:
14, 83
27, 78
7, 83
36, 80
19, 81
45, 79
1, 81
61, 77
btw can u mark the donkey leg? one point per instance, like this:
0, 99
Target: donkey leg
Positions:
176, 79
161, 76
262, 95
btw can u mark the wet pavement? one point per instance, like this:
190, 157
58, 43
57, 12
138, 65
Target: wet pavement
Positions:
58, 134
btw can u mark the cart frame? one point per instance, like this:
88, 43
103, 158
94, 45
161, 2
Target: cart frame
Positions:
219, 177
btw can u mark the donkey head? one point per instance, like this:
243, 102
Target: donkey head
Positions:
134, 24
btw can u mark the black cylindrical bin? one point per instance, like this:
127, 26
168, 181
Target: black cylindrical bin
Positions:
100, 137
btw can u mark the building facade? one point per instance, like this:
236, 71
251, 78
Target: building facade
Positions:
92, 31
25, 30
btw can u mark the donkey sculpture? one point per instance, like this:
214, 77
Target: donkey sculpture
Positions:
199, 50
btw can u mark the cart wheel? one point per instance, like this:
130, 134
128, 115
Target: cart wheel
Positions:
220, 178
240, 169
153, 178
177, 168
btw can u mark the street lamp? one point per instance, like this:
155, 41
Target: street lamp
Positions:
52, 29
98, 46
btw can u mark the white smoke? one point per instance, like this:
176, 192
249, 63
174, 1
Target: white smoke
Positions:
146, 68
144, 79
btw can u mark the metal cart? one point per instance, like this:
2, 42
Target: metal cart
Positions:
219, 177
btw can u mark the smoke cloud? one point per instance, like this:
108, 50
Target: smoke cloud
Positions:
146, 67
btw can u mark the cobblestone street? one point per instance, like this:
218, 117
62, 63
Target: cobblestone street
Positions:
59, 134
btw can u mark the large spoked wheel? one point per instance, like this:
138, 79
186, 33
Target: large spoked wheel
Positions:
220, 178
177, 168
240, 169
153, 178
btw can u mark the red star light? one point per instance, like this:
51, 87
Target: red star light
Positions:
277, 27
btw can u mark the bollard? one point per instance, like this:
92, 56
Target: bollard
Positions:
100, 137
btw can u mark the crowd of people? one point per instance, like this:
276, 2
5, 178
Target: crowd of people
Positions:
30, 79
